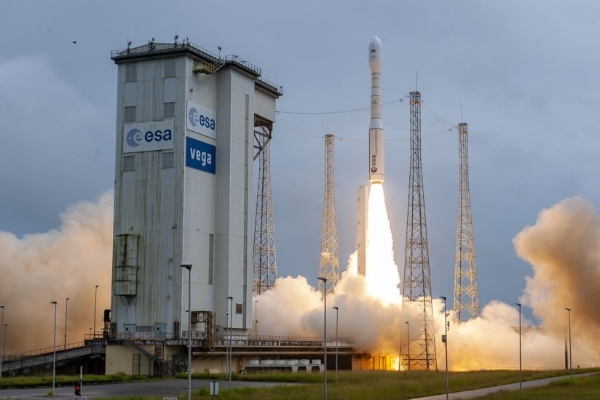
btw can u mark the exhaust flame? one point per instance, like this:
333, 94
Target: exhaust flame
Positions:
382, 273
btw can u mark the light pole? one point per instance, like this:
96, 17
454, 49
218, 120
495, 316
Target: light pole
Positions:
4, 343
95, 292
570, 352
337, 310
445, 340
66, 310
189, 341
408, 343
324, 280
2, 340
256, 316
230, 353
520, 351
54, 351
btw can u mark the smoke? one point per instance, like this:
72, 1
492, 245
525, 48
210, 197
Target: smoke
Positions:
562, 247
68, 262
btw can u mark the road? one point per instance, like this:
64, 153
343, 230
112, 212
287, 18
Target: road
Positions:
166, 388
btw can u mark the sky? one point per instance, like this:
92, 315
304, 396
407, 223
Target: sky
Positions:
523, 75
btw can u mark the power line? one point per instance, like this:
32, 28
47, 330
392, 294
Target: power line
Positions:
400, 100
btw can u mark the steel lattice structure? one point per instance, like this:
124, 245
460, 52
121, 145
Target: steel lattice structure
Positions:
329, 265
265, 266
416, 288
466, 294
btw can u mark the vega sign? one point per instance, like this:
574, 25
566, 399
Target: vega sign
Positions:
201, 120
148, 136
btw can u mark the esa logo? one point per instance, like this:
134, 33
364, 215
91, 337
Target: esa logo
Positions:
201, 120
135, 137
373, 163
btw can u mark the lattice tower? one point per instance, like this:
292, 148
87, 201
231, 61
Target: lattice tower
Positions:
416, 288
329, 265
265, 266
466, 294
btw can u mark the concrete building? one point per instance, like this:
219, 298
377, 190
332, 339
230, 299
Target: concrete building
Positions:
186, 126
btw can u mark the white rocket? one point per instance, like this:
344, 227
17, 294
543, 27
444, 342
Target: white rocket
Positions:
376, 169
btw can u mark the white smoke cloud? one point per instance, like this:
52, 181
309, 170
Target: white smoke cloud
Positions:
51, 266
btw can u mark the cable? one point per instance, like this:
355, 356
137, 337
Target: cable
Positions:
400, 100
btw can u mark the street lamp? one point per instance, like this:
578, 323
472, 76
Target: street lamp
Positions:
256, 316
95, 292
445, 340
520, 351
2, 340
336, 342
66, 310
408, 342
189, 341
570, 352
54, 351
324, 280
230, 352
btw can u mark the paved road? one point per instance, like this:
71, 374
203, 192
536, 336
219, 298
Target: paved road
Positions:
470, 394
166, 388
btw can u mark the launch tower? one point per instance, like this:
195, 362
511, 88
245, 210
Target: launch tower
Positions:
185, 130
265, 265
329, 265
417, 282
466, 294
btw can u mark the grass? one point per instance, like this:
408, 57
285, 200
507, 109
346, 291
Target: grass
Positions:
23, 382
585, 388
359, 385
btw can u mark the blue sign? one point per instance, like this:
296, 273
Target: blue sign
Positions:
200, 155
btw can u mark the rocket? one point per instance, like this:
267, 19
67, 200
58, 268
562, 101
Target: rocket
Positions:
376, 168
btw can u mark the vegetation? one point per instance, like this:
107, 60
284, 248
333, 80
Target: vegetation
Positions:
23, 382
585, 388
360, 385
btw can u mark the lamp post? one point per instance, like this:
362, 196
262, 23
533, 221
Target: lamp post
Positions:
189, 341
95, 292
2, 340
66, 310
256, 316
230, 352
520, 351
337, 310
54, 351
408, 343
4, 343
324, 280
445, 340
570, 352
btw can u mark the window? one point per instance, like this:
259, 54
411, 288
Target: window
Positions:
129, 163
168, 160
169, 68
211, 241
129, 114
238, 308
131, 73
169, 110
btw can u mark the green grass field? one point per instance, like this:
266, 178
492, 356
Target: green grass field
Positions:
359, 385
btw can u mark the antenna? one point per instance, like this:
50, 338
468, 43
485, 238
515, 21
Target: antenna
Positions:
329, 264
416, 289
466, 294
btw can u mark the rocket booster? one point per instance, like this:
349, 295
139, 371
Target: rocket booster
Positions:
376, 169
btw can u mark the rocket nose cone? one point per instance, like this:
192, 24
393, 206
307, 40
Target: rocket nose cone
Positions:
375, 54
